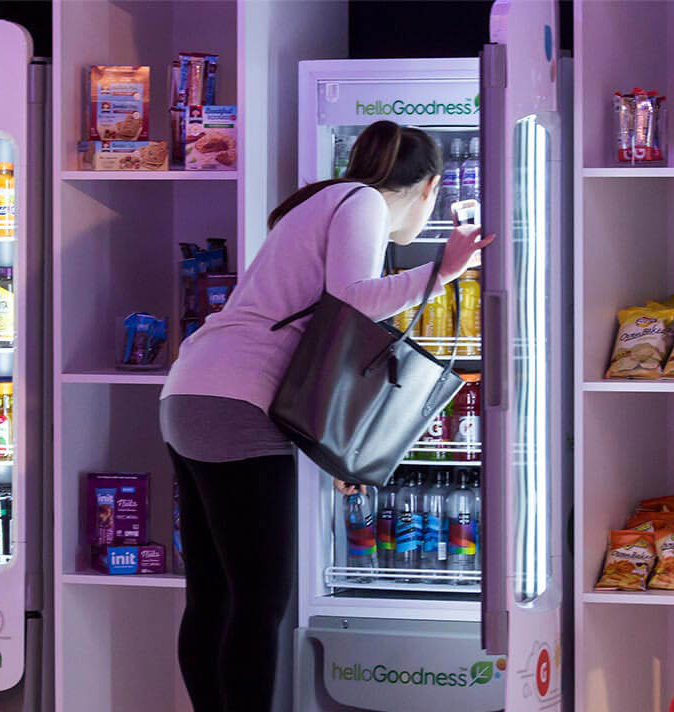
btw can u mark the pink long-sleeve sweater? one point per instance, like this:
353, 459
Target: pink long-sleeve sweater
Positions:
235, 355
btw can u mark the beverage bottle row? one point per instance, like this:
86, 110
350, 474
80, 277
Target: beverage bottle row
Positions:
460, 177
432, 526
439, 318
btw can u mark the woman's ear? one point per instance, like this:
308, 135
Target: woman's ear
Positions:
430, 186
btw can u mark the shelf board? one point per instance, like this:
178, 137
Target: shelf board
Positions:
648, 598
149, 175
112, 375
93, 578
629, 172
629, 386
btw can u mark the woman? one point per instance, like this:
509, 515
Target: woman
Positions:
234, 467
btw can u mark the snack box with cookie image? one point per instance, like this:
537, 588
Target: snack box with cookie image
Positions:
123, 155
118, 103
210, 138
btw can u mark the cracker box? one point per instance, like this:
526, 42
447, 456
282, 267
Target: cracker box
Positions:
128, 559
210, 138
117, 509
123, 155
118, 103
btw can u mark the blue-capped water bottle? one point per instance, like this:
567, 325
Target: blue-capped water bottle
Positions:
409, 525
360, 538
434, 550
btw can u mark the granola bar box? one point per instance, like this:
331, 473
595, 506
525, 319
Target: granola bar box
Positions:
117, 508
118, 103
210, 138
123, 155
129, 559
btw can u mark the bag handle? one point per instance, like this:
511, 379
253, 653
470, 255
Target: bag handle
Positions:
312, 308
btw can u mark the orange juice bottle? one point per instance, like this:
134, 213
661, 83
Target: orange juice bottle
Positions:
470, 323
451, 313
6, 201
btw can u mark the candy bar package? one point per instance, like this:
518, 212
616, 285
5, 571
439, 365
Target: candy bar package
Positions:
118, 103
640, 127
178, 563
129, 559
197, 79
117, 509
145, 339
210, 138
123, 155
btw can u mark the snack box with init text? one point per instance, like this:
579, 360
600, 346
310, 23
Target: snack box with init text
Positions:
117, 509
129, 559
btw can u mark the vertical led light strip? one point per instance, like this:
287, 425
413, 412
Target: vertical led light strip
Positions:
530, 236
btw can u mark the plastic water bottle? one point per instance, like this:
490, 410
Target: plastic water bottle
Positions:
461, 515
470, 172
450, 183
475, 487
361, 543
434, 552
386, 517
409, 526
447, 487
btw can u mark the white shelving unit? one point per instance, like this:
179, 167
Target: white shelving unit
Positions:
624, 255
116, 251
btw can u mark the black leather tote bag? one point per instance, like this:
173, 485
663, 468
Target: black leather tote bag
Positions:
358, 394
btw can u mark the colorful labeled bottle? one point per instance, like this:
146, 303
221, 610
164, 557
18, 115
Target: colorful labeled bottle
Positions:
7, 207
461, 515
6, 306
6, 430
386, 536
470, 324
361, 541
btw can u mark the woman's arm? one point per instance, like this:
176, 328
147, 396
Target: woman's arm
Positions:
357, 241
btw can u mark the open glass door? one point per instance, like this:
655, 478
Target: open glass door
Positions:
521, 133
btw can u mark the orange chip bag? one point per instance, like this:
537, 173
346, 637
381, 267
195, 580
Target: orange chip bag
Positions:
629, 560
644, 527
659, 504
657, 519
663, 577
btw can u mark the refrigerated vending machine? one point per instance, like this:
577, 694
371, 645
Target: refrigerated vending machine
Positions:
25, 660
444, 590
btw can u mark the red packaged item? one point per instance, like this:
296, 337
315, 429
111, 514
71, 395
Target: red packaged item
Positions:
464, 421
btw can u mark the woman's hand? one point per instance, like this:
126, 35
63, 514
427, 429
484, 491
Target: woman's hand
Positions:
462, 244
342, 487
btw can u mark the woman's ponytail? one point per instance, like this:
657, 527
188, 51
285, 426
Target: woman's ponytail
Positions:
385, 156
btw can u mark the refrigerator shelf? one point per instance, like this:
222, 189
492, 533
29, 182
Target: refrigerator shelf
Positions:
114, 375
472, 343
653, 598
443, 463
149, 175
98, 579
474, 448
617, 385
445, 581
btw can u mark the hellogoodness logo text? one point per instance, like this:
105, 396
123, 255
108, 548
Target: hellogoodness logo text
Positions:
399, 107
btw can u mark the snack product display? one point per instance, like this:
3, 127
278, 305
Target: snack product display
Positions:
663, 576
629, 560
640, 126
643, 342
118, 103
123, 155
210, 138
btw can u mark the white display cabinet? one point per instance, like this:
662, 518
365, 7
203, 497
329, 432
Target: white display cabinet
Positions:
624, 255
116, 251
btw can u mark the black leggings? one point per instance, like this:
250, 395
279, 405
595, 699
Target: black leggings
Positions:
237, 528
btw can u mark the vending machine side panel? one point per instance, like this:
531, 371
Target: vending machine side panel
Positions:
15, 53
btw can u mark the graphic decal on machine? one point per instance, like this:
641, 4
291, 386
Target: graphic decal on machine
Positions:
540, 677
481, 672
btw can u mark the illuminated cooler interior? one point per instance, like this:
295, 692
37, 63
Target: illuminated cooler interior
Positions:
7, 316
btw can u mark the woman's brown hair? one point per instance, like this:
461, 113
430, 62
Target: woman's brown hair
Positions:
385, 156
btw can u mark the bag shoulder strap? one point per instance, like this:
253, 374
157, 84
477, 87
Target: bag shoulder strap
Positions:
312, 308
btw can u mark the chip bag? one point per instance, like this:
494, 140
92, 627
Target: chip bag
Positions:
659, 504
656, 519
643, 527
629, 559
663, 576
643, 342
